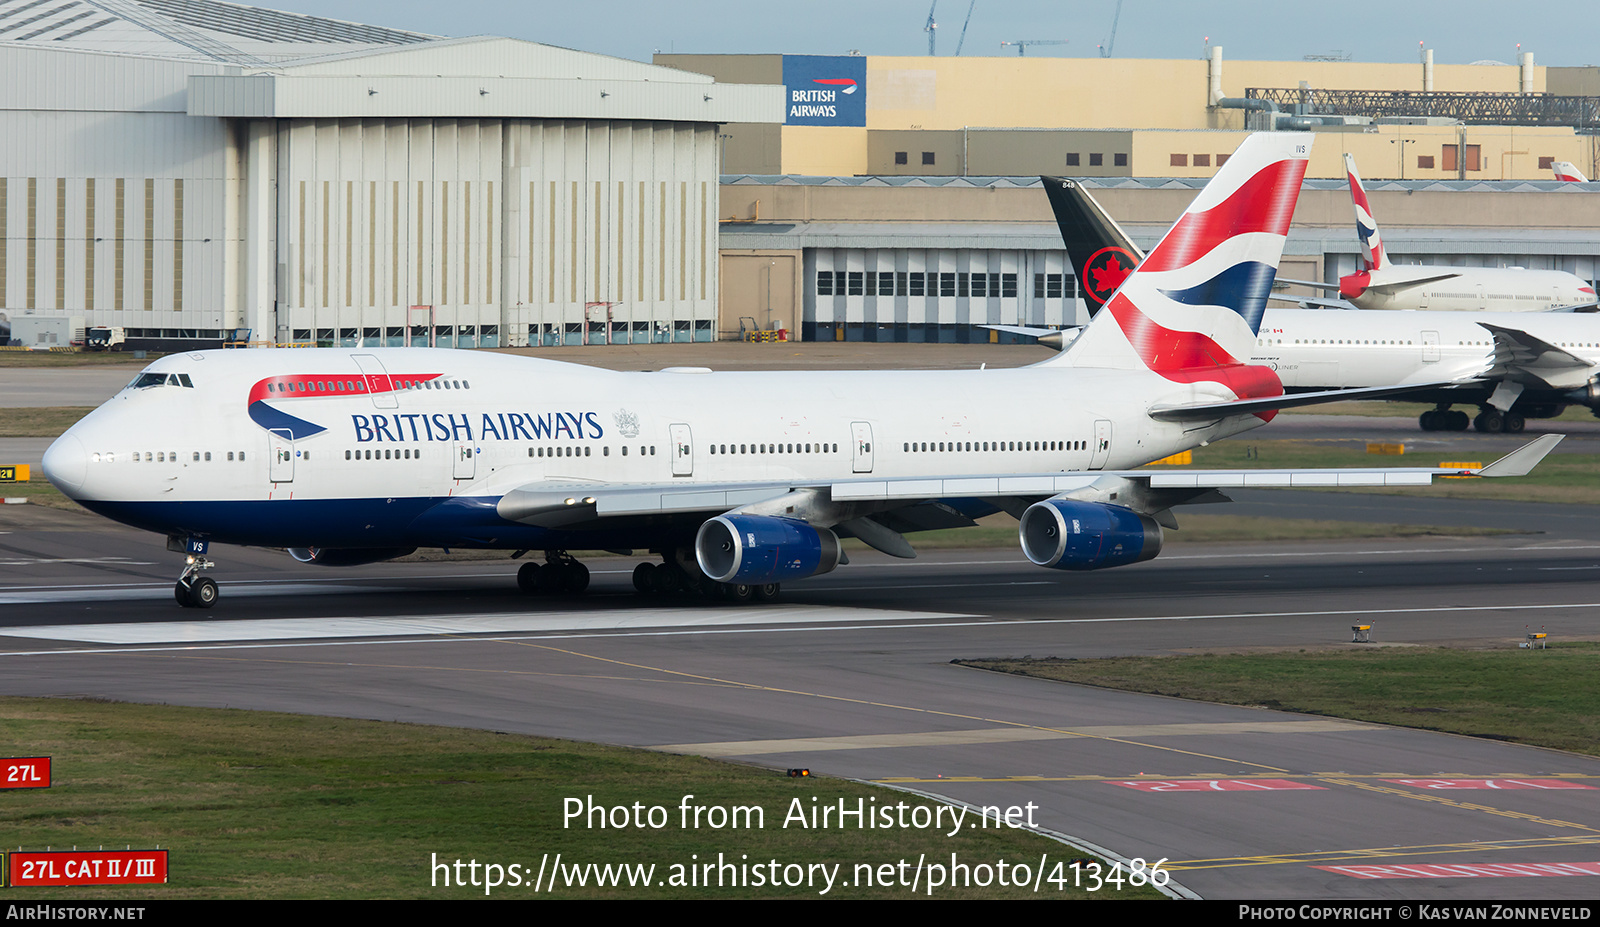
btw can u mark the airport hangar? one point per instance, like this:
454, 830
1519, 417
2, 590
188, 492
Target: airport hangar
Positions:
190, 168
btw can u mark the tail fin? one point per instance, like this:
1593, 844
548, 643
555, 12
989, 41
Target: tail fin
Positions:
1568, 172
1192, 309
1366, 226
1102, 254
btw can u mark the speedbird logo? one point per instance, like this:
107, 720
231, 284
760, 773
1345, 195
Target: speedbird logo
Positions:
293, 388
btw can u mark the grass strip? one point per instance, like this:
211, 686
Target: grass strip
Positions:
40, 422
1541, 697
266, 805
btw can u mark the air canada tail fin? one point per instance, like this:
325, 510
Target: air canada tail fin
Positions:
1102, 254
1568, 172
1366, 226
1191, 311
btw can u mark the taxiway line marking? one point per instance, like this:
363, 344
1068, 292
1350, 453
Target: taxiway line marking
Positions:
1436, 798
875, 704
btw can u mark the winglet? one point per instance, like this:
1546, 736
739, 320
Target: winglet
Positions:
1521, 461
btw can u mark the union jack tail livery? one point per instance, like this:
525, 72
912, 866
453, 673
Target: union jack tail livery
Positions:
1568, 172
1191, 311
1366, 226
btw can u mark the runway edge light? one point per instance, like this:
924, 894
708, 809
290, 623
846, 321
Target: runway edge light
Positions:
799, 774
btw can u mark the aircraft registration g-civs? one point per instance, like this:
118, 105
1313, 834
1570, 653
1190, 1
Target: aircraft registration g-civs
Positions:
1513, 366
740, 481
1383, 284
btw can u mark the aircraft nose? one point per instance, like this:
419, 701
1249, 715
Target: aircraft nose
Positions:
66, 463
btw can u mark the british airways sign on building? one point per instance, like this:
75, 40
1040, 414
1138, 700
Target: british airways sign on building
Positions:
825, 90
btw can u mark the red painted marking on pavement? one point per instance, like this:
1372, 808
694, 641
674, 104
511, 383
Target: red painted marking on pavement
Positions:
1216, 785
1467, 870
1491, 783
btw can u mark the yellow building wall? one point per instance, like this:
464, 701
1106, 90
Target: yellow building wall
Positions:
1505, 152
1103, 93
826, 151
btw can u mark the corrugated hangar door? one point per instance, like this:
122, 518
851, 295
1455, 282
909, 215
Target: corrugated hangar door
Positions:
1298, 269
760, 290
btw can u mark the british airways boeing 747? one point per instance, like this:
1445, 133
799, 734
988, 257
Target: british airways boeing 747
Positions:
740, 481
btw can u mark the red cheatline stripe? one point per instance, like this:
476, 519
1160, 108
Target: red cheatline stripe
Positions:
1264, 203
832, 80
299, 385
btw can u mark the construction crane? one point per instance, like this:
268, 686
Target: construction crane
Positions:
1022, 44
1105, 50
931, 28
963, 40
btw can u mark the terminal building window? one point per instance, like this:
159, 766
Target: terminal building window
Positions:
927, 157
900, 157
1120, 159
1546, 164
1202, 160
1425, 162
1072, 159
1096, 159
1179, 160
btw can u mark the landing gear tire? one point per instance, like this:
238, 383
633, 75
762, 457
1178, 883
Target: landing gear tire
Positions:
181, 593
1457, 420
574, 577
644, 579
203, 592
767, 593
528, 578
1514, 423
1429, 420
1490, 421
738, 593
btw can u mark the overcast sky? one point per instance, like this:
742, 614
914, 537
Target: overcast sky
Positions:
1460, 32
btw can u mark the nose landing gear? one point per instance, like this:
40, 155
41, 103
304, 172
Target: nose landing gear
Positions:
194, 590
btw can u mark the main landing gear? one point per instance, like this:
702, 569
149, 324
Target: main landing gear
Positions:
664, 579
1489, 421
559, 575
194, 590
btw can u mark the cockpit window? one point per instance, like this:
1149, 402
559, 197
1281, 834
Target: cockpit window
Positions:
144, 380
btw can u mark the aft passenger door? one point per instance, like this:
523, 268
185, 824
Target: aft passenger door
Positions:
861, 447
281, 466
682, 450
1102, 445
1430, 347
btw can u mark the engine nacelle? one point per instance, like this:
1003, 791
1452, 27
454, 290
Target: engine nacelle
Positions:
1586, 395
347, 556
757, 549
1066, 535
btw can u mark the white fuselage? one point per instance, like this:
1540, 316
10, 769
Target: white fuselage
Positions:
1470, 289
397, 429
1330, 349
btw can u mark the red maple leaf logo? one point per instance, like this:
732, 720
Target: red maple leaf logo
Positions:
1108, 276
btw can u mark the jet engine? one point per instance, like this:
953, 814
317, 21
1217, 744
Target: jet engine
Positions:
1587, 395
347, 556
759, 549
1067, 535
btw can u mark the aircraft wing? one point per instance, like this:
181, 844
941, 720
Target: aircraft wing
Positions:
1519, 354
559, 504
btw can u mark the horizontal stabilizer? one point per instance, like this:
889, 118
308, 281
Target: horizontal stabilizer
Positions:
1214, 410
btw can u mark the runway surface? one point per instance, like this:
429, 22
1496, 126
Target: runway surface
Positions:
851, 676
